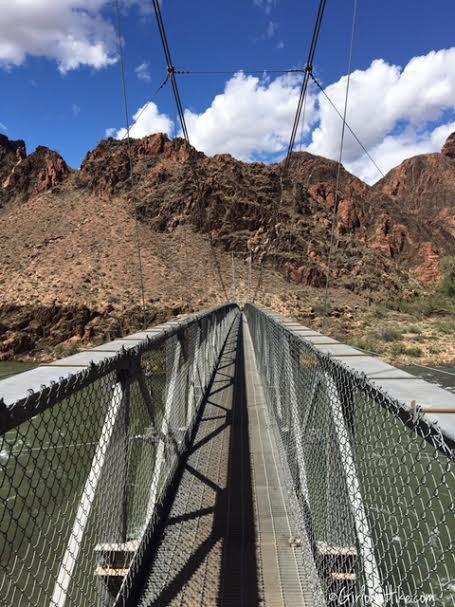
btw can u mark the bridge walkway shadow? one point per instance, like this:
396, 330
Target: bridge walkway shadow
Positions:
206, 554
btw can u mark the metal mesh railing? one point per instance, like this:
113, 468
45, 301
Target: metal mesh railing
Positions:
86, 464
373, 487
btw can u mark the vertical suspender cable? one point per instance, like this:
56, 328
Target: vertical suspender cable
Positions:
171, 73
130, 159
295, 126
340, 157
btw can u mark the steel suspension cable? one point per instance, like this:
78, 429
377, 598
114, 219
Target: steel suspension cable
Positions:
306, 78
340, 157
171, 73
240, 69
130, 159
320, 87
302, 98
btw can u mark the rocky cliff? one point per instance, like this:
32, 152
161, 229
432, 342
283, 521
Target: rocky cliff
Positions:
23, 177
381, 232
68, 252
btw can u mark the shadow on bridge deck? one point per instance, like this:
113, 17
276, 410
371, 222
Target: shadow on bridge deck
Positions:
207, 552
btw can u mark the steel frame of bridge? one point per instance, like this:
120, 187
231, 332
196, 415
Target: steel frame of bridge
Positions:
207, 439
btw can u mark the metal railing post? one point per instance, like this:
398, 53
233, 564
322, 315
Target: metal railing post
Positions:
71, 554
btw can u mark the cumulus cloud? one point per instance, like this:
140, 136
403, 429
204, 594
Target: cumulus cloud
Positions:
147, 120
396, 112
391, 109
252, 118
71, 32
143, 71
395, 148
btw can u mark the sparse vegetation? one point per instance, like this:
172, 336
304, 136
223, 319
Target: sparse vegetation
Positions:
403, 350
322, 309
389, 334
448, 275
363, 343
447, 327
67, 350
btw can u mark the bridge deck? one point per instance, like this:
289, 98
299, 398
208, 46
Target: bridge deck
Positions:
226, 541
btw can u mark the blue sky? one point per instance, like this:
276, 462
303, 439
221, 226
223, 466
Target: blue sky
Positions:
60, 77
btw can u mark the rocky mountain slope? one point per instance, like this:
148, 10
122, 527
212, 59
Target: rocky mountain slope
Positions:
68, 252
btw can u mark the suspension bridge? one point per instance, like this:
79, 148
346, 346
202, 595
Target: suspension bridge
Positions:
230, 457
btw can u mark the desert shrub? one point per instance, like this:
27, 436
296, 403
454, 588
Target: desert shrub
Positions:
399, 349
414, 351
389, 334
364, 343
413, 329
448, 275
445, 326
380, 311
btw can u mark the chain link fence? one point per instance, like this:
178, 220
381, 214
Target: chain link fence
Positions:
87, 462
372, 485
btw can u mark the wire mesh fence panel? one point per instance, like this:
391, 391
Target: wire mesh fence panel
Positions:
87, 461
373, 486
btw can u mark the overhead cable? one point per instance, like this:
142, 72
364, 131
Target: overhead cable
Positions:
130, 160
340, 157
324, 92
302, 98
171, 73
304, 87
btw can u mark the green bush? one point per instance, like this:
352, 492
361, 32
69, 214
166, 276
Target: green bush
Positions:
398, 349
364, 343
448, 275
445, 326
414, 351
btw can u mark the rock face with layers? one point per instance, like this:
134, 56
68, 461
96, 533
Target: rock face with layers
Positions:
69, 238
287, 223
424, 187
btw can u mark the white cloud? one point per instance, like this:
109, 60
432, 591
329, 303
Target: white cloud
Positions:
391, 109
272, 29
397, 113
147, 120
71, 32
395, 148
3, 127
143, 71
265, 5
76, 110
252, 118
110, 132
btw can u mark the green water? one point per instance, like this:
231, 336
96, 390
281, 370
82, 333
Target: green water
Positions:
44, 465
7, 369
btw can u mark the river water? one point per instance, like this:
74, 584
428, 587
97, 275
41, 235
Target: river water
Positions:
11, 368
437, 375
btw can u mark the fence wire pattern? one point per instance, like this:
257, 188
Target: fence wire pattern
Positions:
373, 487
87, 462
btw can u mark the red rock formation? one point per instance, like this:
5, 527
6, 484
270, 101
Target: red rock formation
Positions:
429, 271
448, 149
28, 176
285, 223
